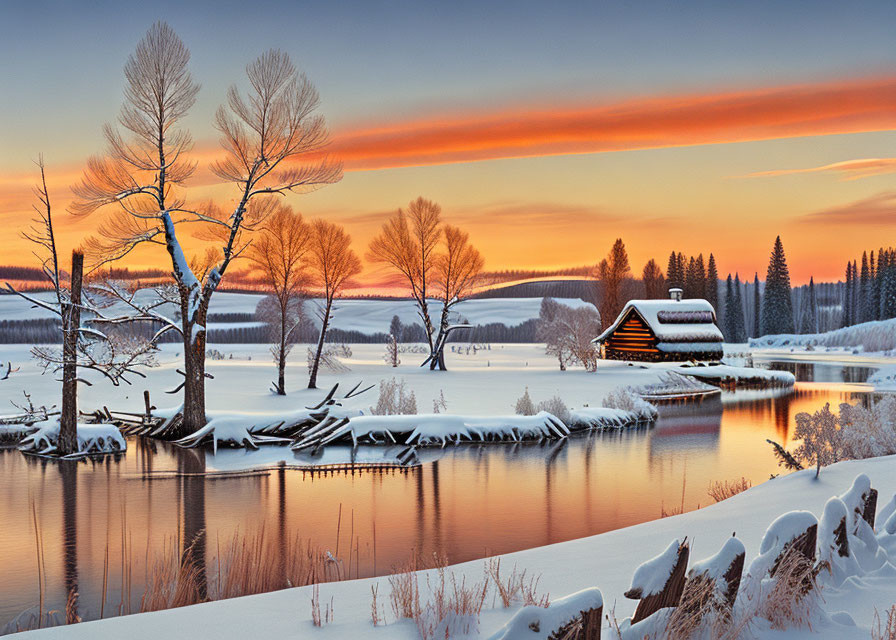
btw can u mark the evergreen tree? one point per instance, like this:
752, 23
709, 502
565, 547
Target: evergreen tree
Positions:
847, 297
613, 271
729, 328
874, 290
777, 308
757, 305
809, 311
856, 288
654, 283
740, 332
888, 290
712, 283
673, 275
700, 278
864, 307
691, 281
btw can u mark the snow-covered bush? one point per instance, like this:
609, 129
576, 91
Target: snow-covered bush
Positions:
627, 399
391, 355
868, 433
820, 436
330, 358
395, 399
440, 405
556, 407
524, 405
567, 333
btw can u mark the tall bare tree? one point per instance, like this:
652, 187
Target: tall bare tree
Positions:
278, 252
113, 355
456, 273
262, 134
408, 242
330, 262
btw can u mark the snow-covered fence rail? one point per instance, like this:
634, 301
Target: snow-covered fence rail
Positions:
576, 617
659, 582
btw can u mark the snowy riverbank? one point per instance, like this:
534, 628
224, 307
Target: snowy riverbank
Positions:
606, 561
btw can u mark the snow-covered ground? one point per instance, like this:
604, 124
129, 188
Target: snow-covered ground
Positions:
366, 316
487, 383
607, 561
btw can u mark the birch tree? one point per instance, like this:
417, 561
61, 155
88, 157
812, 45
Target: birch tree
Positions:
262, 134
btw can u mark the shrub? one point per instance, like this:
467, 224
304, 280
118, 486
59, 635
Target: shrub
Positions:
524, 406
724, 489
394, 399
556, 407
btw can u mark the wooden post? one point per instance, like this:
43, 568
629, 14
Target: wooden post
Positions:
841, 538
148, 406
669, 595
803, 546
71, 325
585, 627
870, 508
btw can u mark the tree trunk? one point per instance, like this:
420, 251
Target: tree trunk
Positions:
71, 323
312, 380
194, 382
281, 361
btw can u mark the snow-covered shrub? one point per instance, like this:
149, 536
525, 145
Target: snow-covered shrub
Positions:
395, 399
391, 355
820, 436
214, 354
627, 399
439, 404
567, 333
330, 358
524, 405
868, 433
515, 588
555, 406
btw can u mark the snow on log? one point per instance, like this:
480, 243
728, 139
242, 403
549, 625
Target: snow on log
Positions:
833, 543
861, 502
91, 439
723, 570
601, 418
730, 377
434, 429
659, 582
795, 531
576, 616
12, 433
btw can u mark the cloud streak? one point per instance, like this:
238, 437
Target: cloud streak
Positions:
879, 209
697, 119
848, 169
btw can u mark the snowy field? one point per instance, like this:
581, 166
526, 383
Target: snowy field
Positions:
487, 383
606, 561
366, 316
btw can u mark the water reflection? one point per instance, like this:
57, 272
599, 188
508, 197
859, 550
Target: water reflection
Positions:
821, 371
463, 501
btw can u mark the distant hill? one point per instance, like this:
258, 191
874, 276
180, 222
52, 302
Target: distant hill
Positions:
560, 288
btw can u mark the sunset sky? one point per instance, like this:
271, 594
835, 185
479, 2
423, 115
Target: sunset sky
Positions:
546, 129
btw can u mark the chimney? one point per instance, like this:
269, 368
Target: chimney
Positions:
675, 294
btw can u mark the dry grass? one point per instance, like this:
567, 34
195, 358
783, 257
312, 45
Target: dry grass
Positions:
791, 599
515, 587
724, 489
887, 632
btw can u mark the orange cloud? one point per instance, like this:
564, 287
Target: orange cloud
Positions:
848, 169
761, 114
879, 209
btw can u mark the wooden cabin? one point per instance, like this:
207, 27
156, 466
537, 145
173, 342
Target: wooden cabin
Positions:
663, 330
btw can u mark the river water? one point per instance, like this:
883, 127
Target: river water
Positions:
463, 502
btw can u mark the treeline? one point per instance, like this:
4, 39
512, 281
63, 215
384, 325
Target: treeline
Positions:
870, 290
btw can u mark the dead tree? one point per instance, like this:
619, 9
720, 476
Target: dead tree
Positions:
83, 346
140, 177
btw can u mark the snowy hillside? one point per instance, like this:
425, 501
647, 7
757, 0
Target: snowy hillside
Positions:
608, 561
366, 316
876, 336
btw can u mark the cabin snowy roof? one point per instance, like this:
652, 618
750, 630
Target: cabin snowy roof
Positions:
674, 321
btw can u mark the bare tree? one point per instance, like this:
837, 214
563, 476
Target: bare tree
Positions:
83, 346
278, 252
261, 135
456, 274
331, 262
567, 334
408, 242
